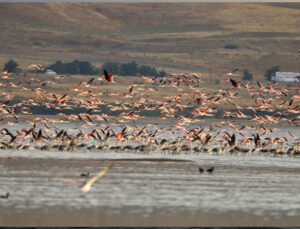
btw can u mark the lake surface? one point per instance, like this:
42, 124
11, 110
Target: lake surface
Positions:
149, 190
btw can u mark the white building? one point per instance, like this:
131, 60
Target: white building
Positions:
286, 76
50, 72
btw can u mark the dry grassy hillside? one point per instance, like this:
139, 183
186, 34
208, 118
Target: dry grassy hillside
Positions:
173, 36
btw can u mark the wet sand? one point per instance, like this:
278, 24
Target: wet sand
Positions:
152, 192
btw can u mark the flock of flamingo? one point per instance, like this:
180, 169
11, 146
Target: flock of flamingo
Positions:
187, 107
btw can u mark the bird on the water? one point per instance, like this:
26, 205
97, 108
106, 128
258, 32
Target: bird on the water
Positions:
6, 196
86, 186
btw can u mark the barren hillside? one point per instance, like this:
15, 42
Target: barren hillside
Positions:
172, 36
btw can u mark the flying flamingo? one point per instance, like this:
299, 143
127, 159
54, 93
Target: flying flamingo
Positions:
233, 82
108, 76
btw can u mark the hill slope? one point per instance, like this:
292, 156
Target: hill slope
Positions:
173, 36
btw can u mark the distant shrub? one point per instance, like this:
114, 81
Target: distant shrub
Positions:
230, 46
129, 69
147, 70
247, 76
12, 66
270, 71
37, 43
162, 73
112, 67
132, 69
74, 67
58, 67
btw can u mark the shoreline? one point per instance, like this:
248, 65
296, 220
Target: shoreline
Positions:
103, 217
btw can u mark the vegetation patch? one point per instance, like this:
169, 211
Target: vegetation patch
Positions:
230, 46
77, 67
247, 75
132, 69
74, 67
270, 71
287, 5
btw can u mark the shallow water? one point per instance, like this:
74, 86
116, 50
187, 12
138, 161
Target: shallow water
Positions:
259, 190
153, 189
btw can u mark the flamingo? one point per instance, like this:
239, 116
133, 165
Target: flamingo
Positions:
233, 82
108, 76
